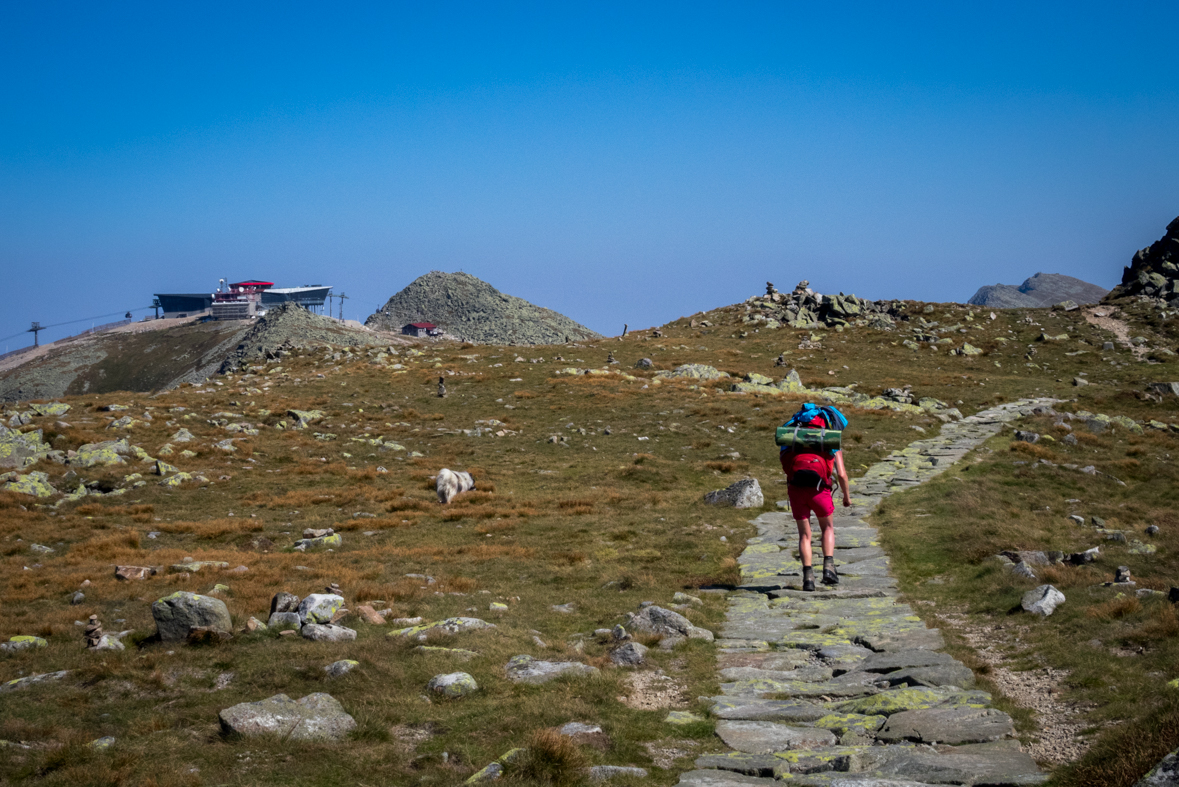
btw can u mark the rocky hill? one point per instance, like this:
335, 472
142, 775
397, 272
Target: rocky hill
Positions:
1043, 289
1154, 271
469, 309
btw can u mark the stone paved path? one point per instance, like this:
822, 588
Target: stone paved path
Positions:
844, 686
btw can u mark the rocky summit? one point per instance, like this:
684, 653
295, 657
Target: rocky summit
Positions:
1043, 289
1154, 271
471, 310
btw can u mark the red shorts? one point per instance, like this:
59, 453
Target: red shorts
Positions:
803, 501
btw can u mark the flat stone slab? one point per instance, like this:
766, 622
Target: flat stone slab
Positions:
876, 566
711, 778
903, 659
766, 737
856, 554
808, 673
796, 688
753, 709
739, 762
916, 639
943, 675
827, 592
780, 660
947, 725
997, 766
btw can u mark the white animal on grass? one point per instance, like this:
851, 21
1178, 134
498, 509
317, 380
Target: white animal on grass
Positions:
451, 483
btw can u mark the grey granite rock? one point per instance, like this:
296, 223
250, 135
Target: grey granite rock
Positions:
179, 613
318, 717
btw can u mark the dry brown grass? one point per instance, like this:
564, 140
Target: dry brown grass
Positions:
1114, 609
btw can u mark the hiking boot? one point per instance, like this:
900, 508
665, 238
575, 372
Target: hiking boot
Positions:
829, 575
808, 579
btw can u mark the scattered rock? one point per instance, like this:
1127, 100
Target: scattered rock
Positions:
319, 608
316, 717
134, 572
23, 642
453, 685
180, 613
745, 493
601, 773
327, 632
525, 669
629, 654
1042, 600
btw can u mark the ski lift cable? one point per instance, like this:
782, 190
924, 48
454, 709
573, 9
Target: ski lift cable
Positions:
73, 322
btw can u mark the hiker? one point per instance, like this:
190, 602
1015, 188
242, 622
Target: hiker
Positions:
812, 465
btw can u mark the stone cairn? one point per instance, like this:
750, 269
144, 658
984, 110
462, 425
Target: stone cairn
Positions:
805, 308
441, 387
93, 632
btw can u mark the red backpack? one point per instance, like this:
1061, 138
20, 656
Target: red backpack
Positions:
810, 470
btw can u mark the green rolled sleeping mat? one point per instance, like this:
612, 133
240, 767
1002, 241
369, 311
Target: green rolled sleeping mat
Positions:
796, 437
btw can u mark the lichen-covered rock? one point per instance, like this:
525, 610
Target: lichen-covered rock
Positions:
453, 685
176, 615
316, 717
182, 436
320, 608
193, 566
55, 409
745, 493
284, 620
23, 642
448, 626
321, 542
694, 371
525, 669
32, 680
176, 480
327, 632
304, 418
340, 668
21, 449
34, 483
792, 383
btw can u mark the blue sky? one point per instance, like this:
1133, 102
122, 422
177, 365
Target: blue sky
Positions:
621, 163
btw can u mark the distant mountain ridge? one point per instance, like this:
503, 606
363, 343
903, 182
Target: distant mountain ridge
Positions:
1043, 289
471, 310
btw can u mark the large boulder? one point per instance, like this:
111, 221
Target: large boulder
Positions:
745, 493
176, 615
316, 717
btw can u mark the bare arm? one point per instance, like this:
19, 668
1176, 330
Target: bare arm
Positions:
841, 474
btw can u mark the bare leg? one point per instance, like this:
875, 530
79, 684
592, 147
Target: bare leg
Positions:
804, 540
827, 525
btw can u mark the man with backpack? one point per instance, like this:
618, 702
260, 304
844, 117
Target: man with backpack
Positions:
812, 460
